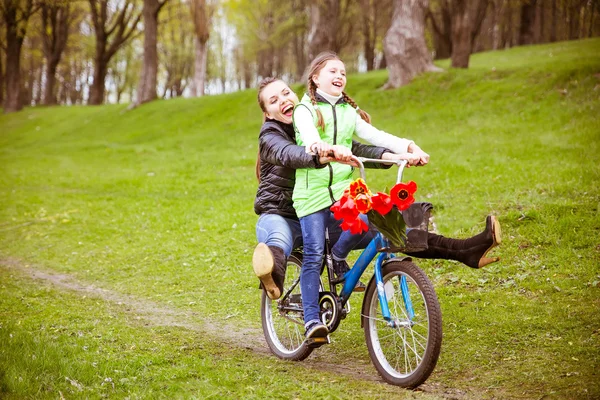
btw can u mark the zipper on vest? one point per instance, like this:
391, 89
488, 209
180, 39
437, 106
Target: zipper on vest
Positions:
330, 182
334, 125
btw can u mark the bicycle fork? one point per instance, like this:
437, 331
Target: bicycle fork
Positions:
383, 301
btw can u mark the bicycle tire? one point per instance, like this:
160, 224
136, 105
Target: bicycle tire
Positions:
282, 325
404, 355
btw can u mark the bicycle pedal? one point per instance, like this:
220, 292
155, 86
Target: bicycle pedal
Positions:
317, 341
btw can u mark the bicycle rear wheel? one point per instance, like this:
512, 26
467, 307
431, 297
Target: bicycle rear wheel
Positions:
404, 350
282, 320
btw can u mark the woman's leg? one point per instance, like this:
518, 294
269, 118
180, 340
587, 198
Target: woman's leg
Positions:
471, 252
277, 238
313, 235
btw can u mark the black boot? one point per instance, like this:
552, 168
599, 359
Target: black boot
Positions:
269, 265
471, 252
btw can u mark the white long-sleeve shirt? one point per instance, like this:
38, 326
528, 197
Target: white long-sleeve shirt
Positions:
303, 120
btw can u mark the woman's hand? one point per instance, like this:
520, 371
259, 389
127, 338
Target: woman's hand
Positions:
416, 150
410, 157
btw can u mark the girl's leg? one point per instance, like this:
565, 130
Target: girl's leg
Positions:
313, 235
471, 252
277, 238
342, 247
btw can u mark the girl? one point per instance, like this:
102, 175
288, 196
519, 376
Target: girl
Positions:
325, 120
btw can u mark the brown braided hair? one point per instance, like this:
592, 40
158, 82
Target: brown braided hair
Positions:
261, 86
315, 67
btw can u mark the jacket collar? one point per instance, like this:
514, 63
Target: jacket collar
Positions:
322, 99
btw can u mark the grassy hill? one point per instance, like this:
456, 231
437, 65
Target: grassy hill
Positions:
155, 204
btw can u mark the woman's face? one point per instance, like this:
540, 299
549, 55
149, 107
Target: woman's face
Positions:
279, 101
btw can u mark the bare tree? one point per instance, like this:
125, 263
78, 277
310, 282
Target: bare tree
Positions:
146, 90
122, 24
404, 44
201, 16
16, 15
54, 33
467, 16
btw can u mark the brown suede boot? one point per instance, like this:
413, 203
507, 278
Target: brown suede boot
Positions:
471, 252
269, 266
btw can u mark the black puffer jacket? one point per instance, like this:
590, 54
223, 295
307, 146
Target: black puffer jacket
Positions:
279, 159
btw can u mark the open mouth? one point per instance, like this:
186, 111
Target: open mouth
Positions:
287, 110
337, 84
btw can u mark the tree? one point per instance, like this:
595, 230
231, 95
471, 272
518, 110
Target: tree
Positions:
120, 25
441, 26
176, 49
16, 14
526, 28
55, 32
201, 16
404, 44
147, 84
466, 17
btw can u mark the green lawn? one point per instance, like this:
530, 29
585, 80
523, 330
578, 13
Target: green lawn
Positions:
155, 205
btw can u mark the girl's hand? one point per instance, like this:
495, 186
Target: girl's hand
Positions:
321, 149
410, 157
416, 150
342, 153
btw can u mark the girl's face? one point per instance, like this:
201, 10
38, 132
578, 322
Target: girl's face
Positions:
279, 101
331, 78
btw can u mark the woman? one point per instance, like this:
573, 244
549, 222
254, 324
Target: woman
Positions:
278, 230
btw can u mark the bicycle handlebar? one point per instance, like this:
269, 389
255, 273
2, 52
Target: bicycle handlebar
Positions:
361, 160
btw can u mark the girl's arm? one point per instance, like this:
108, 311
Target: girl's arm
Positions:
368, 132
305, 126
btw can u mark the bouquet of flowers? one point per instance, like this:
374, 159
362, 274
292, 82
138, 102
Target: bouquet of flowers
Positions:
383, 210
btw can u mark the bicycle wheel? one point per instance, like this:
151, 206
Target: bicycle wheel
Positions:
406, 349
282, 320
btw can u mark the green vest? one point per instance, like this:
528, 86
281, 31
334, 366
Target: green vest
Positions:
317, 189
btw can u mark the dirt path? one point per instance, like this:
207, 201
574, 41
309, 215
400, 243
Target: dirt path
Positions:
153, 314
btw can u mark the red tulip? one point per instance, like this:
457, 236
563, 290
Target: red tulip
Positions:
402, 194
382, 203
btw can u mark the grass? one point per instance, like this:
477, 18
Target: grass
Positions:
156, 203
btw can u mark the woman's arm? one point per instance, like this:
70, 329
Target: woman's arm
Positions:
277, 149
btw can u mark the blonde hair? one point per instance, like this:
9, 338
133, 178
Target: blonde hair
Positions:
311, 87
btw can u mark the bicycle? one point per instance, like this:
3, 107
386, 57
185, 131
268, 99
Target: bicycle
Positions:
401, 317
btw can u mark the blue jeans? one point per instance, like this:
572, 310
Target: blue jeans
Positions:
285, 233
275, 230
313, 236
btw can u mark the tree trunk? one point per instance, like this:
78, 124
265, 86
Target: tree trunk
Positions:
15, 33
146, 90
527, 27
467, 17
554, 22
201, 17
441, 32
97, 88
200, 62
497, 26
591, 27
55, 32
320, 31
368, 35
1, 81
404, 43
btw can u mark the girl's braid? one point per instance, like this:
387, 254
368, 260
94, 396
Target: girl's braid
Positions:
363, 114
312, 90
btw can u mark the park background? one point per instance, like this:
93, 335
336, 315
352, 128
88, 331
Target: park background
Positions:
126, 229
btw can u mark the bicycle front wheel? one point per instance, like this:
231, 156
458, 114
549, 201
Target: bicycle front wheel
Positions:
283, 319
405, 349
